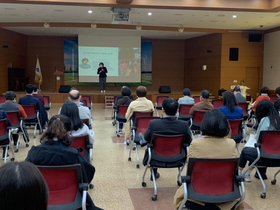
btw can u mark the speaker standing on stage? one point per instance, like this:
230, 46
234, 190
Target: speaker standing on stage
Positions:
102, 77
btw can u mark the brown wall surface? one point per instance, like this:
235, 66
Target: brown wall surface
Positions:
204, 50
16, 53
250, 56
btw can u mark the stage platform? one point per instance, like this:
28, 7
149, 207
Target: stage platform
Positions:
99, 98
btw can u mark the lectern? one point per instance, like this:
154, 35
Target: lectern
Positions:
58, 75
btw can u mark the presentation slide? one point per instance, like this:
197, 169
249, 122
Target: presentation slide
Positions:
120, 55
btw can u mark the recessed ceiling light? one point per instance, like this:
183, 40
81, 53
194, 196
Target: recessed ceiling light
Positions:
90, 11
234, 16
149, 13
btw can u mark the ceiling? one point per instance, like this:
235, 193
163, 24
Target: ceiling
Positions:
70, 20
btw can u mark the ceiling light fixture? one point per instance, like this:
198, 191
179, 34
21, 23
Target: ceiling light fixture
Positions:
46, 25
90, 11
139, 27
150, 14
93, 25
181, 29
234, 16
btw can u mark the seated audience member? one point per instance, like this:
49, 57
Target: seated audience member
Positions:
55, 150
11, 105
124, 101
168, 124
141, 104
121, 96
230, 108
204, 104
3, 115
36, 95
186, 99
213, 144
268, 119
19, 182
237, 93
30, 100
84, 112
263, 95
70, 110
277, 102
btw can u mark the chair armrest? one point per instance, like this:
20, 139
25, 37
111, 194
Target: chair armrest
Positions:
239, 178
150, 145
257, 145
89, 146
83, 186
186, 179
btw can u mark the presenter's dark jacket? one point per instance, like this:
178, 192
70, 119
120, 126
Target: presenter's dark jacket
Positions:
52, 153
168, 125
103, 73
277, 104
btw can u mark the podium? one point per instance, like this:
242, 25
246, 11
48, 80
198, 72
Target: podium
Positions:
243, 89
58, 75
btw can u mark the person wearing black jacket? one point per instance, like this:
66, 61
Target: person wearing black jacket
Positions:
102, 71
277, 102
55, 150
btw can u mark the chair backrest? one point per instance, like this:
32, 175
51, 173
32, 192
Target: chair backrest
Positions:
142, 123
244, 107
14, 117
85, 121
3, 129
122, 110
80, 141
248, 98
212, 176
142, 114
2, 99
196, 99
270, 144
236, 128
198, 116
167, 145
217, 103
84, 102
115, 99
63, 182
273, 98
87, 99
184, 109
160, 99
46, 100
30, 110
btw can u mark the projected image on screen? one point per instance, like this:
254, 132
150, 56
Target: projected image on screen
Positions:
120, 55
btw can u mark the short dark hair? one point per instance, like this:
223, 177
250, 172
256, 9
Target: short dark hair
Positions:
29, 88
215, 123
237, 88
229, 100
20, 181
71, 110
277, 90
186, 92
10, 95
264, 89
126, 91
35, 87
74, 96
170, 106
205, 94
141, 91
101, 64
58, 127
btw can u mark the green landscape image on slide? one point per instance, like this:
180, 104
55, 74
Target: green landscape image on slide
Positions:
71, 75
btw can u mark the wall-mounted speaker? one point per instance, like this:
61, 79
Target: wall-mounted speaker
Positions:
255, 38
164, 89
233, 54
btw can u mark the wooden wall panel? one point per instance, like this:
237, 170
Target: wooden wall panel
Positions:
16, 53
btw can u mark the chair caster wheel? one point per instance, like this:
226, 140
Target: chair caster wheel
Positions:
129, 159
127, 143
144, 184
34, 137
118, 135
40, 132
113, 123
273, 182
91, 186
137, 166
12, 159
27, 145
179, 183
263, 195
16, 150
154, 197
134, 148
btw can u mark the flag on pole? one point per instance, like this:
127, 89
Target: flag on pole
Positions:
38, 74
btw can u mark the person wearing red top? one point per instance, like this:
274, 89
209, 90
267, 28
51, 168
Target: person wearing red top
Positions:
264, 95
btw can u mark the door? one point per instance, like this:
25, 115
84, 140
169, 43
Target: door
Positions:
252, 81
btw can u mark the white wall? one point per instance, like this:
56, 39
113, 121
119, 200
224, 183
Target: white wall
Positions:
271, 63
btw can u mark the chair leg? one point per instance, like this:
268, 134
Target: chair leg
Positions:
18, 142
154, 197
274, 178
137, 156
143, 177
35, 130
130, 150
263, 195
